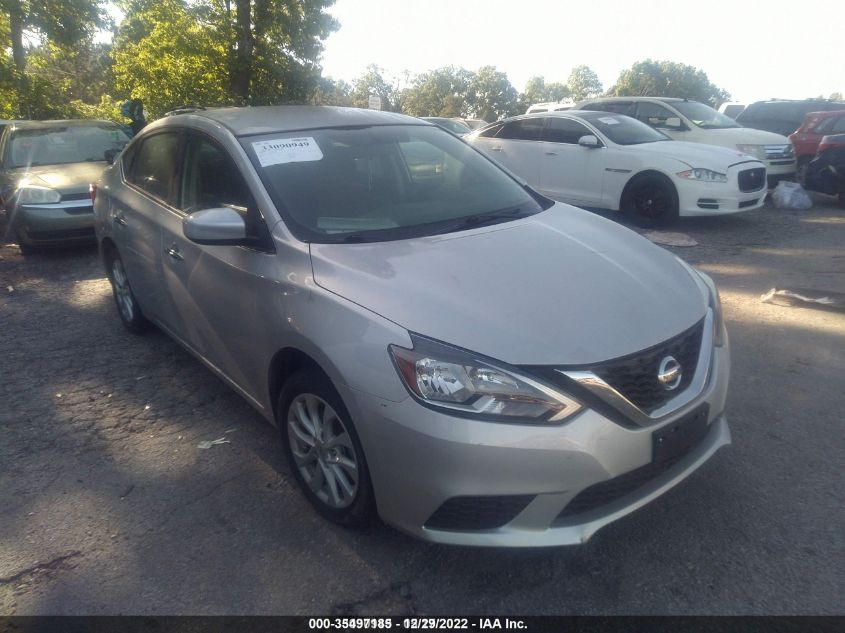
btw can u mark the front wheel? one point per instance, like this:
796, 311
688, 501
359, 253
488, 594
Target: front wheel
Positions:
651, 201
323, 449
127, 306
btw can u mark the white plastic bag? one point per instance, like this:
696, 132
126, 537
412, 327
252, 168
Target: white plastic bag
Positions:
791, 195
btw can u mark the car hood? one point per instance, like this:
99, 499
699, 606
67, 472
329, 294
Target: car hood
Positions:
696, 154
561, 287
65, 178
733, 136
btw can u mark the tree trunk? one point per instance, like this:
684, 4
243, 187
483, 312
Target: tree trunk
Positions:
240, 73
16, 31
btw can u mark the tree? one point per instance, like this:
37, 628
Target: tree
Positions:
835, 96
440, 92
491, 96
584, 83
668, 79
332, 92
245, 52
176, 60
538, 91
63, 22
373, 82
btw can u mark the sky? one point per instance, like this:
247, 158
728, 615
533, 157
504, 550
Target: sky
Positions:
754, 49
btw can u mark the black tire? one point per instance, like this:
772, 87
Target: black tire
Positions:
651, 201
315, 465
127, 306
26, 249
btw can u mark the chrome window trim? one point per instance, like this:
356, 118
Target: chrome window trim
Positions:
597, 386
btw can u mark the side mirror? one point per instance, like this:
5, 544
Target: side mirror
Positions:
110, 154
216, 227
590, 141
673, 123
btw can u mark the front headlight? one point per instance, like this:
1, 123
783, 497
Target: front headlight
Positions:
757, 151
37, 195
449, 378
705, 175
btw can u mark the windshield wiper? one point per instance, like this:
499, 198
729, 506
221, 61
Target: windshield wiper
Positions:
480, 219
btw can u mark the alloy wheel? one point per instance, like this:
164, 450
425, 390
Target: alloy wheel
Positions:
122, 292
323, 450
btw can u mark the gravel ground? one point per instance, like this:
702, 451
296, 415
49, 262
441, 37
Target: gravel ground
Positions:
109, 507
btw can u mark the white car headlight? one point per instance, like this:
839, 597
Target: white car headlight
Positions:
445, 377
757, 151
37, 195
705, 175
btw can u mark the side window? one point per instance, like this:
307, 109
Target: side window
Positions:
838, 126
210, 179
564, 131
824, 126
617, 107
154, 166
491, 131
523, 129
653, 114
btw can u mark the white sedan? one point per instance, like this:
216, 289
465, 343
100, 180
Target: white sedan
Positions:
612, 161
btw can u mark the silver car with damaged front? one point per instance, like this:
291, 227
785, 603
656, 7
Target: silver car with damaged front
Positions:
437, 343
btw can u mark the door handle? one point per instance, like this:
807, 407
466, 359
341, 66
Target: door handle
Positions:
498, 148
174, 253
551, 153
119, 218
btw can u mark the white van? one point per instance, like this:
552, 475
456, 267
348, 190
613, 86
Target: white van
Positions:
684, 120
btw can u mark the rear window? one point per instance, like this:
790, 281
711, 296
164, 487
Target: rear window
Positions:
63, 144
381, 182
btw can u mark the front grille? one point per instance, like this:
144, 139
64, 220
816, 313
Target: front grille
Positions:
635, 377
779, 151
477, 513
84, 195
752, 179
605, 492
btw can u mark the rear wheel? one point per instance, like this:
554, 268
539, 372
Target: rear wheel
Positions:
127, 307
323, 449
651, 201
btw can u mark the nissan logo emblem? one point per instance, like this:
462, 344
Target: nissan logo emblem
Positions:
669, 373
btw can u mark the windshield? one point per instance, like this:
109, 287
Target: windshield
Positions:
704, 116
382, 183
63, 144
623, 130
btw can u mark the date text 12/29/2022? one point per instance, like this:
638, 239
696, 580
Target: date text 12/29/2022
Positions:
415, 624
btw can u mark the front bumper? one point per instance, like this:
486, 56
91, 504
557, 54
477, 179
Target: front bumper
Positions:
70, 222
781, 169
697, 198
419, 459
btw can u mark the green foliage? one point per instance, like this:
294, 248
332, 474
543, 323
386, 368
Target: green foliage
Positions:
332, 93
491, 96
584, 83
538, 91
440, 92
668, 79
373, 82
177, 60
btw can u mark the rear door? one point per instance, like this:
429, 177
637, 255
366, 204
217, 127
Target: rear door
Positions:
213, 292
136, 210
516, 145
569, 172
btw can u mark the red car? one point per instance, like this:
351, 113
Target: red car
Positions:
816, 125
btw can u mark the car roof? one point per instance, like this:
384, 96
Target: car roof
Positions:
250, 121
632, 98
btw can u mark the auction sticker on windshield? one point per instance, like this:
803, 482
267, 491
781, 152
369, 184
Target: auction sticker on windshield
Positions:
287, 150
609, 120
